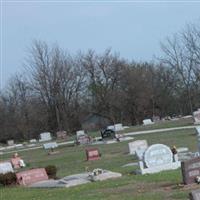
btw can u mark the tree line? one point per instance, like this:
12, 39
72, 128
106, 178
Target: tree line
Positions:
58, 89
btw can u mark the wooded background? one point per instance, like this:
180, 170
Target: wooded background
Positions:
58, 90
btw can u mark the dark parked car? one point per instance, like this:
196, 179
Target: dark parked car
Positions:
108, 133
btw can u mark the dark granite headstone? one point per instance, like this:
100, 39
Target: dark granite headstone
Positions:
195, 195
190, 170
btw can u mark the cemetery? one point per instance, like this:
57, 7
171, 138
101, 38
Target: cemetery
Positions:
147, 167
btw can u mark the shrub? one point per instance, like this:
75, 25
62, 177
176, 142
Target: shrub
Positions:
8, 178
51, 171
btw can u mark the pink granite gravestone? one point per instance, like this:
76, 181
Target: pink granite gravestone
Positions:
15, 162
31, 176
92, 154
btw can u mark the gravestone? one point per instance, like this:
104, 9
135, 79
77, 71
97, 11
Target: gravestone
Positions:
50, 145
156, 118
198, 130
195, 195
79, 133
10, 142
33, 141
83, 139
92, 154
45, 137
18, 146
198, 137
61, 135
158, 157
118, 127
196, 116
137, 145
5, 167
147, 122
190, 170
31, 176
15, 162
111, 127
101, 175
77, 179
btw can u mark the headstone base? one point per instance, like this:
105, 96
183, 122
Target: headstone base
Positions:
156, 169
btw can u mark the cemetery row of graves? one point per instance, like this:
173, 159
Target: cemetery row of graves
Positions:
109, 163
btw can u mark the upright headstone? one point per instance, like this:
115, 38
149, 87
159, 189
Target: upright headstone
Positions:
45, 137
50, 145
194, 195
10, 142
147, 122
190, 170
82, 137
111, 127
196, 116
137, 145
118, 127
33, 141
5, 167
158, 157
61, 135
79, 133
198, 137
31, 176
156, 118
16, 162
92, 154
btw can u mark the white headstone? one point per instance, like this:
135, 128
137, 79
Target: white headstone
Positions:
33, 141
118, 127
5, 167
158, 154
19, 146
147, 122
80, 133
158, 157
137, 145
45, 137
196, 116
198, 130
50, 145
111, 127
10, 142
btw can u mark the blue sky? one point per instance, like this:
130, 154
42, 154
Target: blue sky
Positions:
134, 29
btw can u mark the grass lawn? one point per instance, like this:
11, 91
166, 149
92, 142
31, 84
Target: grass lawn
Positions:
71, 160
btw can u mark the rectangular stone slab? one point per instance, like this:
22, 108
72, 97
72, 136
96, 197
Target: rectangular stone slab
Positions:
31, 176
92, 154
195, 195
190, 170
16, 162
5, 167
50, 145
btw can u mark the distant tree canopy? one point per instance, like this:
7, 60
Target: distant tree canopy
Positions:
59, 90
